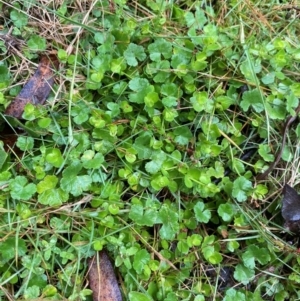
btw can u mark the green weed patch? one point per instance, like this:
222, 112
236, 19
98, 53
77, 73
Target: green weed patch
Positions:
161, 116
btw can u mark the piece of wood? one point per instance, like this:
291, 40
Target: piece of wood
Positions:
290, 209
102, 279
37, 89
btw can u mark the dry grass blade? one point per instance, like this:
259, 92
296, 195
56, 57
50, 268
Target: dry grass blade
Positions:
102, 279
37, 89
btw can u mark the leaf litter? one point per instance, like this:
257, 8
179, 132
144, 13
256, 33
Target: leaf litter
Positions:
291, 208
102, 279
37, 89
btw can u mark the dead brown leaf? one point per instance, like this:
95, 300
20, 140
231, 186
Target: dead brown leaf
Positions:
102, 279
37, 89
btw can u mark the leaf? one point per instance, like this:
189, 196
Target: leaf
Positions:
226, 212
202, 215
96, 77
194, 240
102, 279
37, 278
4, 177
234, 295
142, 87
249, 259
119, 87
133, 53
160, 69
141, 258
264, 151
91, 161
170, 89
169, 219
4, 76
54, 157
210, 249
20, 190
252, 98
254, 253
142, 145
37, 43
53, 197
172, 93
136, 296
197, 21
173, 297
138, 84
76, 185
170, 114
37, 89
160, 48
280, 59
292, 102
215, 258
183, 247
268, 78
114, 109
238, 166
25, 143
49, 290
80, 112
155, 165
118, 65
170, 101
243, 274
160, 182
19, 18
295, 89
101, 64
210, 38
3, 157
143, 216
32, 292
10, 248
294, 277
49, 182
72, 183
189, 18
62, 55
250, 69
276, 109
199, 62
59, 224
183, 135
100, 37
241, 189
139, 97
224, 102
201, 102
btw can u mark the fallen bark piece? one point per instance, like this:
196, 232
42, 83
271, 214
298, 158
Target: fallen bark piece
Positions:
290, 209
37, 89
102, 279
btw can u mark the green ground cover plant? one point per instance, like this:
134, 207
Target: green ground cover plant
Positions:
143, 149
